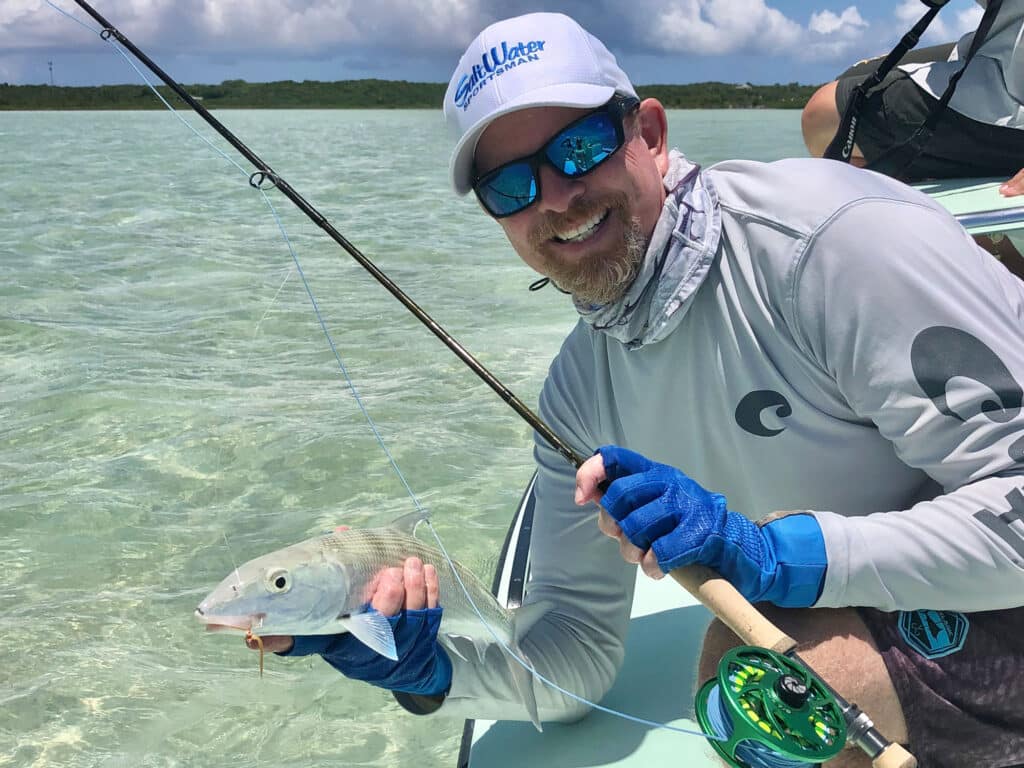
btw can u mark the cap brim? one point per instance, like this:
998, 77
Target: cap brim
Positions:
581, 95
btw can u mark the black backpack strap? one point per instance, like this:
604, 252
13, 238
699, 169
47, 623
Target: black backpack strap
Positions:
917, 140
841, 146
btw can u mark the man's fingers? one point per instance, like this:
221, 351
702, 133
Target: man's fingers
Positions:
588, 476
1014, 186
389, 596
630, 552
650, 566
433, 588
412, 586
271, 643
415, 585
609, 527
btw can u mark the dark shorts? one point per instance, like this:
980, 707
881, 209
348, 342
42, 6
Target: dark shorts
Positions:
960, 681
959, 148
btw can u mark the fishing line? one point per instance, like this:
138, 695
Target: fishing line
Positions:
264, 175
551, 684
291, 250
753, 753
238, 579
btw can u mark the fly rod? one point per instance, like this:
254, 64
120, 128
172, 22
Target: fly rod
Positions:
265, 174
703, 583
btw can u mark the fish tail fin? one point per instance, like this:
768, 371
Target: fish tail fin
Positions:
522, 678
523, 619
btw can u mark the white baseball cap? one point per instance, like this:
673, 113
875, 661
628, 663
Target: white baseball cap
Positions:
536, 60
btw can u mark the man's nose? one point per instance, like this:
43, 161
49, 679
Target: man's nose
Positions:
558, 193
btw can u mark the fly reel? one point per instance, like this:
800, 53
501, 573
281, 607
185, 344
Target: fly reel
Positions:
767, 710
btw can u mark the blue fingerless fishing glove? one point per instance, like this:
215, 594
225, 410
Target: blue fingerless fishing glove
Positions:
660, 508
423, 667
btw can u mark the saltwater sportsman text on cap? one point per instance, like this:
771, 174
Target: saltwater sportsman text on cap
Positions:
536, 60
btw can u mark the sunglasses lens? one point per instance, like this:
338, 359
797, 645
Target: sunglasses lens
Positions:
575, 151
507, 189
584, 145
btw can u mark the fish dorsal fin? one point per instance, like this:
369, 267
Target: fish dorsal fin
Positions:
373, 630
409, 522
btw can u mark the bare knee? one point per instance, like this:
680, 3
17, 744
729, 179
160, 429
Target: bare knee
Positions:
820, 119
717, 640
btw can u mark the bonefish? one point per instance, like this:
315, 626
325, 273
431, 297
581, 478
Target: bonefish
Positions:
322, 586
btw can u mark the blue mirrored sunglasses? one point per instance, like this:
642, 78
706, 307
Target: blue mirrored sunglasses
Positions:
574, 151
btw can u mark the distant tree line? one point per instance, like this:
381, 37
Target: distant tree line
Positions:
364, 94
729, 95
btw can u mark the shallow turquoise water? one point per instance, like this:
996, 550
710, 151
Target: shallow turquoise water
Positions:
169, 405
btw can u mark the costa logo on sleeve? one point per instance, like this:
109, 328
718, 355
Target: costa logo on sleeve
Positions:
751, 410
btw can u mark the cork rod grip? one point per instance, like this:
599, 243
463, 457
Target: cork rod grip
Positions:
721, 598
894, 756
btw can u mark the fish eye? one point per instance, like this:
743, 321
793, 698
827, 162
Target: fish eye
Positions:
277, 580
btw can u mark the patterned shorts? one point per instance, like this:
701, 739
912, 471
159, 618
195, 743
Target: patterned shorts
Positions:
960, 680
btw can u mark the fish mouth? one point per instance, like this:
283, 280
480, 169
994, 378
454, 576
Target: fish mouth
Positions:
244, 624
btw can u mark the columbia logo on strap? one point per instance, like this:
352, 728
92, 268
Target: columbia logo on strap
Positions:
493, 63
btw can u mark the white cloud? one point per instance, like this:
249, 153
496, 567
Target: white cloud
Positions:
827, 23
297, 27
967, 21
390, 36
722, 26
727, 26
945, 27
834, 37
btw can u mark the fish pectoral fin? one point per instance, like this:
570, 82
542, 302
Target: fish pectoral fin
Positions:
449, 643
452, 642
373, 630
524, 617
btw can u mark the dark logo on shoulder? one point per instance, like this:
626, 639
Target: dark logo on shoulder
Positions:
752, 406
934, 634
940, 354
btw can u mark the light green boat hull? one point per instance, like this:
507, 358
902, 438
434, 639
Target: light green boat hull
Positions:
978, 204
657, 682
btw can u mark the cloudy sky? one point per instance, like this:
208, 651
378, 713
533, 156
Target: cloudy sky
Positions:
656, 41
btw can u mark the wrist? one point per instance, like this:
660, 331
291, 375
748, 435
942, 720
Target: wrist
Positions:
418, 704
801, 561
438, 683
308, 645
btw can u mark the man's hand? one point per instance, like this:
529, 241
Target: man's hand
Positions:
664, 520
413, 587
1014, 186
588, 477
271, 643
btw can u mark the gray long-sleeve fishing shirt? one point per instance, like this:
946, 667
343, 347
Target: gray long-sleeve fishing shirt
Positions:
849, 351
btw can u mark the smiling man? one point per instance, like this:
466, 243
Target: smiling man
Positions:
799, 335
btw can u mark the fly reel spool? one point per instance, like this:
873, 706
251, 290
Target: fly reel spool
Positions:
767, 711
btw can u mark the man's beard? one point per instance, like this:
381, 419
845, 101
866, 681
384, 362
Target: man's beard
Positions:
599, 277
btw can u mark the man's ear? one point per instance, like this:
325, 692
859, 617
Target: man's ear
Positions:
653, 125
